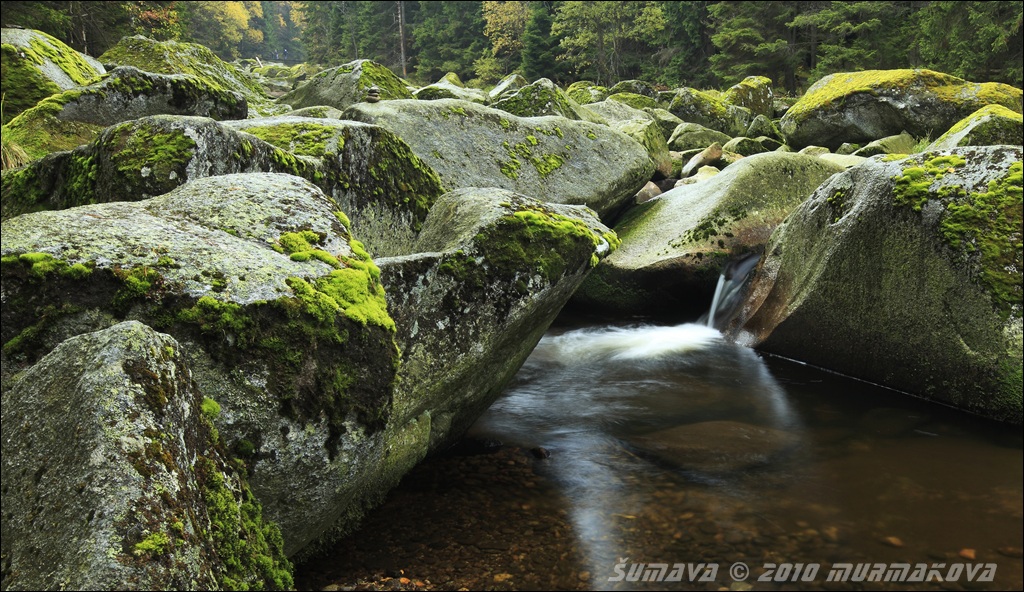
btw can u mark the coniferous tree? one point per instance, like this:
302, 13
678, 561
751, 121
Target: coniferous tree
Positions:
541, 54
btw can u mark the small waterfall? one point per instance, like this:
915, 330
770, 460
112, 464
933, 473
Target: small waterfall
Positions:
714, 300
729, 291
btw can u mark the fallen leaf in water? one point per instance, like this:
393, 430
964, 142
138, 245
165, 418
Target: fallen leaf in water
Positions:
967, 554
893, 541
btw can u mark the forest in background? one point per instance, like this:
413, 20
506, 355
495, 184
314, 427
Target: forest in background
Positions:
699, 44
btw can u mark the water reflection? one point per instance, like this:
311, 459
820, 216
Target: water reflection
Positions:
590, 396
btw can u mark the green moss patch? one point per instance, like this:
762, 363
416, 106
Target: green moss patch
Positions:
984, 226
306, 139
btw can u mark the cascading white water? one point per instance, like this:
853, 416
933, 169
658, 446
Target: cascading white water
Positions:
715, 300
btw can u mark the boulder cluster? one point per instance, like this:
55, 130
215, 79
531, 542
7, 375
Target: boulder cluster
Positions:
240, 301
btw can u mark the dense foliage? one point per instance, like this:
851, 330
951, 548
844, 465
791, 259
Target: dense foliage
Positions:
697, 43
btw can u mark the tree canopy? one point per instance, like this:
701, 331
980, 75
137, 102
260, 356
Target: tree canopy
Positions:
698, 43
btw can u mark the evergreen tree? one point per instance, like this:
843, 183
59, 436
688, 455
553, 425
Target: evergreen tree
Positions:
448, 37
541, 54
980, 41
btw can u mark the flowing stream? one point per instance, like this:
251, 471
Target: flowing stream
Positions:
672, 445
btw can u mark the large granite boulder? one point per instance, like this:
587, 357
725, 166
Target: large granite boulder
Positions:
114, 477
675, 246
754, 93
140, 159
75, 117
450, 86
988, 126
174, 57
36, 65
906, 273
491, 271
551, 158
347, 85
373, 176
693, 136
859, 107
543, 97
694, 106
280, 313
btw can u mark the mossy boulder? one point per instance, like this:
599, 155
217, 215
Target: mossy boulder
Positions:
585, 92
450, 86
899, 144
693, 136
279, 311
347, 85
762, 126
634, 100
635, 87
666, 121
140, 159
114, 477
35, 65
508, 84
744, 146
552, 158
493, 269
374, 177
613, 112
989, 126
859, 107
174, 57
75, 117
754, 93
694, 106
543, 97
675, 246
648, 134
921, 258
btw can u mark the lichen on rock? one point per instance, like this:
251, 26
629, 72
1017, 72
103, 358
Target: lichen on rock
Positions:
147, 498
920, 256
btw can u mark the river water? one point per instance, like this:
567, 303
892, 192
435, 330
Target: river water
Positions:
671, 445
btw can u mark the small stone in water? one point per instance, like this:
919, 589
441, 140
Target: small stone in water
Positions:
584, 576
502, 577
893, 541
968, 554
1015, 552
540, 452
831, 533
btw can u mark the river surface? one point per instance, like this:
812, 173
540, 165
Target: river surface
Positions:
630, 445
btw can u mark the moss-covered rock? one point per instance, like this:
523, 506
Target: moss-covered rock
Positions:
648, 134
375, 178
508, 84
693, 136
859, 107
899, 144
317, 112
278, 309
665, 120
636, 87
921, 258
674, 246
142, 158
494, 269
762, 126
450, 86
754, 93
614, 112
744, 146
559, 160
543, 97
147, 497
34, 65
173, 57
585, 92
634, 100
347, 85
694, 106
75, 117
988, 126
